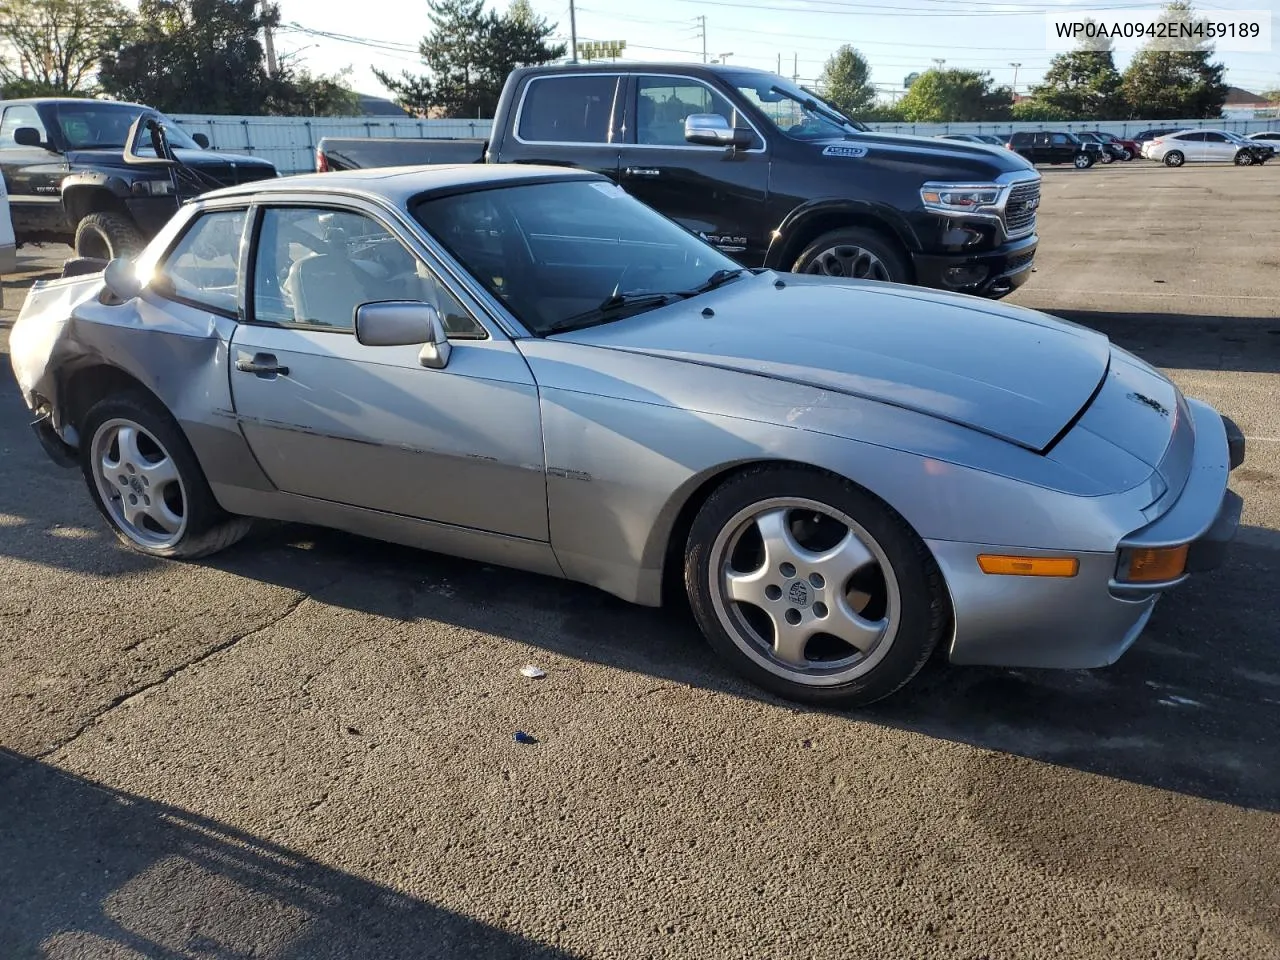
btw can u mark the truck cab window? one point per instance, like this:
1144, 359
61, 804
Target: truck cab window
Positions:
568, 109
663, 103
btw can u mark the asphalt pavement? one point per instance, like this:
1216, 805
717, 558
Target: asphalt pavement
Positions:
303, 748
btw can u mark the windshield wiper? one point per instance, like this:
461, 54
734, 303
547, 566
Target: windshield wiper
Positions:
812, 105
610, 307
717, 279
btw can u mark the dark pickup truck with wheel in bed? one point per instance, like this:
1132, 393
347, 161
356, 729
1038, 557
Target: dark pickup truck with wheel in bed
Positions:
104, 176
766, 170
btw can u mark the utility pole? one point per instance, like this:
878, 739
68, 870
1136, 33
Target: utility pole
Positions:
1015, 75
573, 34
269, 44
779, 70
702, 26
795, 68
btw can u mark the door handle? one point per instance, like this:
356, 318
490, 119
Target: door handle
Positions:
262, 364
642, 172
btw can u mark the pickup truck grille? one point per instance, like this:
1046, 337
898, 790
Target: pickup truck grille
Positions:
1020, 210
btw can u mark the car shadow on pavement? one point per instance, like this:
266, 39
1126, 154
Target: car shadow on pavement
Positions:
1188, 341
1192, 707
93, 872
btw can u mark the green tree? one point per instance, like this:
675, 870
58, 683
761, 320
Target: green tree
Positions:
1038, 110
1161, 83
1272, 95
882, 113
846, 82
468, 55
192, 56
51, 47
1083, 84
953, 96
298, 92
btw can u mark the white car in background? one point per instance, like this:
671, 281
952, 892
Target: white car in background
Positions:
1271, 137
8, 250
1205, 146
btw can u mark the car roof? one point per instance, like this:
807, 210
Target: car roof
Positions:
401, 184
77, 100
654, 66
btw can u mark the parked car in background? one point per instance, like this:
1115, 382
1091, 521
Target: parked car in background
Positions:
992, 139
1122, 149
767, 171
8, 247
1054, 147
524, 365
1148, 135
1206, 146
104, 176
1109, 153
987, 138
1269, 136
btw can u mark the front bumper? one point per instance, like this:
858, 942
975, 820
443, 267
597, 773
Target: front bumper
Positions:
1091, 619
993, 274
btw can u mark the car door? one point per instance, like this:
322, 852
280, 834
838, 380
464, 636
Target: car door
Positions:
1192, 145
333, 419
714, 191
1062, 148
32, 174
1218, 147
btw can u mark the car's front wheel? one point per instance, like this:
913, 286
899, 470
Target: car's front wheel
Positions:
854, 252
146, 482
1083, 161
1126, 154
812, 587
105, 236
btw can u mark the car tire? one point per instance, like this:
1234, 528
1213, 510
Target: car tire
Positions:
1174, 158
1244, 158
1083, 161
105, 236
881, 586
1108, 158
144, 485
859, 252
1126, 154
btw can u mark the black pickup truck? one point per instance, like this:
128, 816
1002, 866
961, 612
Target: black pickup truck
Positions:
104, 176
766, 170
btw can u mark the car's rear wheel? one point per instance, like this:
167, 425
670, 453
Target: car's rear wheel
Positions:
1107, 157
1174, 158
854, 252
1244, 158
812, 587
105, 236
146, 482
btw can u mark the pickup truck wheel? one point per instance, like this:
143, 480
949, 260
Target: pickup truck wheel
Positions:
854, 252
106, 236
146, 481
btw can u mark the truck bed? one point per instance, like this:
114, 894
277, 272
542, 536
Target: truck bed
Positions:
355, 153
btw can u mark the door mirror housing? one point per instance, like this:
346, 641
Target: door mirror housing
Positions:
121, 279
28, 137
713, 130
404, 323
201, 140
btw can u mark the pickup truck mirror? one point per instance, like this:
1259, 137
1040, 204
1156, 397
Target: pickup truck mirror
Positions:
121, 278
28, 137
404, 323
201, 140
713, 130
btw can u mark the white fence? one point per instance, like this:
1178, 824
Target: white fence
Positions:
290, 142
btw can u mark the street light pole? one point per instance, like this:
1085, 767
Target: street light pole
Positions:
1015, 75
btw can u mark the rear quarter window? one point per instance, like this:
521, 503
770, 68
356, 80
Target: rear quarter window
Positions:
567, 109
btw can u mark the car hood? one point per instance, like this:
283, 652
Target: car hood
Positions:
192, 158
944, 158
1007, 371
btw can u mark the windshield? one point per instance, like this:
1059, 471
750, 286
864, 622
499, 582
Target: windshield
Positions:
783, 104
98, 125
553, 251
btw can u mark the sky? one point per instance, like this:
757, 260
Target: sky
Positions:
896, 36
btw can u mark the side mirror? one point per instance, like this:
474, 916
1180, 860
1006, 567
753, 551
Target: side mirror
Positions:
404, 323
201, 140
713, 130
28, 137
121, 278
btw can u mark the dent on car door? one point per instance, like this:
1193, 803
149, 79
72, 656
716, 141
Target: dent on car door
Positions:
370, 426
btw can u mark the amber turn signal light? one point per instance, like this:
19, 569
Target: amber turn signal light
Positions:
1156, 564
1028, 566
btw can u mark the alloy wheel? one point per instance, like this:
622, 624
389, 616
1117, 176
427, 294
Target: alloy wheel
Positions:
804, 591
849, 260
139, 484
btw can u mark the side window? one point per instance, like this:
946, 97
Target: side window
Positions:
1060, 140
568, 109
1215, 138
663, 103
15, 117
1194, 137
315, 265
202, 269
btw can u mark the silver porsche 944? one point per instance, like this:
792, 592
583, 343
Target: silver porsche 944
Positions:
525, 366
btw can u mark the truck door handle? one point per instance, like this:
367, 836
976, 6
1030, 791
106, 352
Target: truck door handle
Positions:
262, 364
642, 172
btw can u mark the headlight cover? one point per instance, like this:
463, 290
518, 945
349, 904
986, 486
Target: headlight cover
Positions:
962, 197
